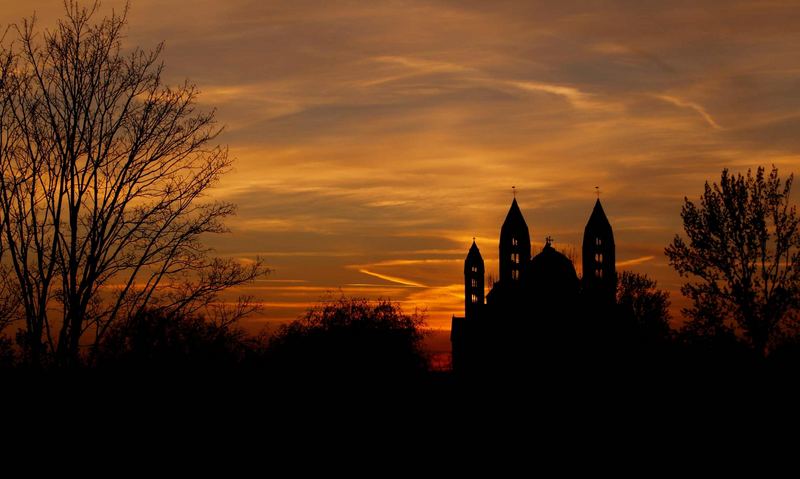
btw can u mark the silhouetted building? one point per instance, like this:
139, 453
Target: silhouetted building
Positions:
599, 273
537, 305
473, 281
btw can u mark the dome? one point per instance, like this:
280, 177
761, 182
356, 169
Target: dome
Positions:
552, 271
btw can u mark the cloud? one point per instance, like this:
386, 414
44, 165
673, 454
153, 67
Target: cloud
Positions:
574, 96
393, 279
412, 67
387, 203
422, 65
693, 106
415, 262
634, 261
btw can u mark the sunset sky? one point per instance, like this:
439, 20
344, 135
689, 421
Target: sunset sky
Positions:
374, 139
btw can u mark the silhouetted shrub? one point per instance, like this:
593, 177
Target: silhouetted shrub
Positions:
643, 309
8, 356
158, 340
350, 337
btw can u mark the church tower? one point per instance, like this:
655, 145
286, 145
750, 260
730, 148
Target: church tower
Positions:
473, 282
599, 262
515, 247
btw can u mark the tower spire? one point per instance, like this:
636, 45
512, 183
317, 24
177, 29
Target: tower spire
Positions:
515, 244
599, 257
473, 282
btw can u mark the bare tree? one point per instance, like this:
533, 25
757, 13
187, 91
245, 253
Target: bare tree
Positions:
743, 253
103, 169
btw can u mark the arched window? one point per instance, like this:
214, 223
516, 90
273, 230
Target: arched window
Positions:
474, 283
514, 242
474, 269
474, 299
514, 274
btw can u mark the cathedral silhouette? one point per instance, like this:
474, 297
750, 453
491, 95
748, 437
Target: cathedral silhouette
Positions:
538, 308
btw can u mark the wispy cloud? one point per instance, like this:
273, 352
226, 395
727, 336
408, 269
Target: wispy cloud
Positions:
393, 279
413, 262
574, 96
634, 261
692, 106
387, 203
412, 67
409, 67
282, 281
423, 65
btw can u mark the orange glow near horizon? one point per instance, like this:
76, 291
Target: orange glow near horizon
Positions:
373, 140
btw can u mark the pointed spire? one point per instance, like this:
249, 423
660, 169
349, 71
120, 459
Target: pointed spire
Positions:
474, 247
514, 215
598, 217
473, 258
474, 252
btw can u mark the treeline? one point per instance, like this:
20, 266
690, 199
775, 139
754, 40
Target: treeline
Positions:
337, 338
377, 341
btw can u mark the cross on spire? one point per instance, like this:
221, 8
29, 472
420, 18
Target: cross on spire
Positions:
548, 240
514, 191
597, 191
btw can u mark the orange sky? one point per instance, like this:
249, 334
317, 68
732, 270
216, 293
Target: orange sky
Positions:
373, 140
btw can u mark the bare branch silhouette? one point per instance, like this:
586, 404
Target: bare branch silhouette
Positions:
104, 169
